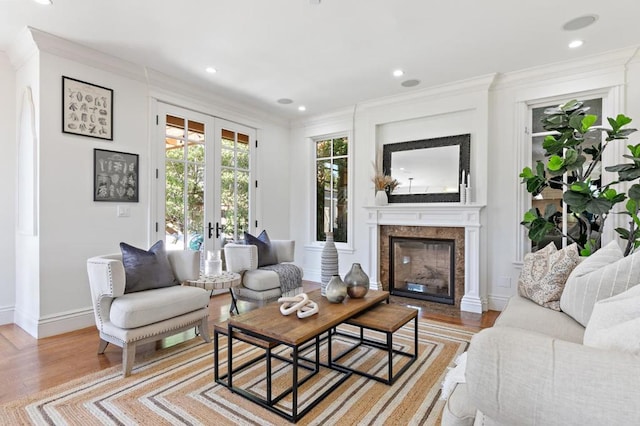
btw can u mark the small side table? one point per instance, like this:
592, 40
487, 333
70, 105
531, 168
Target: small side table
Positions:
218, 282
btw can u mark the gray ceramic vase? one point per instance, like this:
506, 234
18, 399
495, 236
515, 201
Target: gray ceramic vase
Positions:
336, 290
357, 282
328, 263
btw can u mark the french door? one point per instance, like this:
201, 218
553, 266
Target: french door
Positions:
203, 179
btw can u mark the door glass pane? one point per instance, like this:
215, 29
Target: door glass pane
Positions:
234, 184
174, 206
184, 183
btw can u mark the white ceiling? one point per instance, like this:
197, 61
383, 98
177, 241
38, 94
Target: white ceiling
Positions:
331, 55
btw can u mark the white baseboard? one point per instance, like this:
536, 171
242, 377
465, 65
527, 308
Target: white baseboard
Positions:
472, 304
6, 314
52, 325
498, 303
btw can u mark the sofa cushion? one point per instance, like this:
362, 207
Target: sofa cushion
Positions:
137, 309
525, 314
602, 275
261, 280
146, 269
615, 323
545, 273
266, 253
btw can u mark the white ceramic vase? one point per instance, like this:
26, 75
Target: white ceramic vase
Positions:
381, 198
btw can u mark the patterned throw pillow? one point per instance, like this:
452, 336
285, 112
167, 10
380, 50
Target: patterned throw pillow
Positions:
266, 253
602, 275
545, 273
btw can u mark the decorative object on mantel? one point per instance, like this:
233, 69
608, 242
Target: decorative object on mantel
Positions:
357, 282
328, 263
300, 304
569, 150
336, 290
87, 109
384, 185
465, 188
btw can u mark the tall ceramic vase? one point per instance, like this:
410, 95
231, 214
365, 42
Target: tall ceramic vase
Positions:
328, 263
357, 282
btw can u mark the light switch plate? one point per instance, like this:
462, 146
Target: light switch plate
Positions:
123, 211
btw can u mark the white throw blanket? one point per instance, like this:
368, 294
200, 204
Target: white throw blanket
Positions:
454, 376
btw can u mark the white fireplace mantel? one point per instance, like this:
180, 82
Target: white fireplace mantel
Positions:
455, 215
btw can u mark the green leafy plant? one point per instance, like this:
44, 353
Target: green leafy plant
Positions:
570, 151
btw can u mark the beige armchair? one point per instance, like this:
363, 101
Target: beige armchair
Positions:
128, 320
264, 284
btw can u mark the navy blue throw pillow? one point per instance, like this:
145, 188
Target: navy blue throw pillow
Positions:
146, 269
266, 253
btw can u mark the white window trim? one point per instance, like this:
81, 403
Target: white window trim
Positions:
611, 105
315, 244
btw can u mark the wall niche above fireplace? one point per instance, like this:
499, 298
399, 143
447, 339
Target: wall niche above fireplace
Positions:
422, 268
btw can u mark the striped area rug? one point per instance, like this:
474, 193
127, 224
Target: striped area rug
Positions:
176, 387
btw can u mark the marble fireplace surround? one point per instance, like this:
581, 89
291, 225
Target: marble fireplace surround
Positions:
432, 215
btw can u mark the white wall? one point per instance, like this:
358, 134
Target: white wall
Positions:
8, 118
53, 290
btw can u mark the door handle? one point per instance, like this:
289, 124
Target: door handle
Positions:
210, 229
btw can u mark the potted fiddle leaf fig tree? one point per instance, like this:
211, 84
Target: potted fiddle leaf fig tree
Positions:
571, 151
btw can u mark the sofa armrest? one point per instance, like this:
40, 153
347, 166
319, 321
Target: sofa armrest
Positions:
285, 250
519, 377
106, 281
185, 264
240, 257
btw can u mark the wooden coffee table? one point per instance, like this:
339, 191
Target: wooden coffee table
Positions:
269, 326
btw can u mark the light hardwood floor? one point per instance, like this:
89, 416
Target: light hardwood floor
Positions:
29, 365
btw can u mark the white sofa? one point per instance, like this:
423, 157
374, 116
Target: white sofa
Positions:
532, 368
259, 285
130, 319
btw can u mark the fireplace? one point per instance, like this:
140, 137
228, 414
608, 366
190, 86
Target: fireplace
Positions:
446, 221
422, 268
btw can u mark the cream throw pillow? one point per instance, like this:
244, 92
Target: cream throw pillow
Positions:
615, 323
545, 273
602, 275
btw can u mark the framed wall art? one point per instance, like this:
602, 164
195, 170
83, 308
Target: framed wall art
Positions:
115, 176
87, 109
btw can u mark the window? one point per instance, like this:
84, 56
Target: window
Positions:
332, 179
553, 194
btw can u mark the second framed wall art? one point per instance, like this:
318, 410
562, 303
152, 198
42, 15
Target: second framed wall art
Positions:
87, 109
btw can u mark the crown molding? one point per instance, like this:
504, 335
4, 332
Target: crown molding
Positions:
165, 87
333, 117
481, 83
604, 63
31, 41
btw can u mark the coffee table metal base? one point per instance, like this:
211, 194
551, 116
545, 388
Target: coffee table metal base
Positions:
296, 361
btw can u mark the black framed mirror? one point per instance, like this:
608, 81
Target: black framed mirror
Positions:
428, 170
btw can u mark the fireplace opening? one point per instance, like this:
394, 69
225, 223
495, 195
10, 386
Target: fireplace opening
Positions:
422, 268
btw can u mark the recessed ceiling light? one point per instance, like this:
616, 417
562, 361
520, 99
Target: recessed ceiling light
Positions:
45, 2
285, 101
211, 70
410, 83
302, 108
575, 43
398, 73
580, 22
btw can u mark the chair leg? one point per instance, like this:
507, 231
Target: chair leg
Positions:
128, 356
102, 346
204, 330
